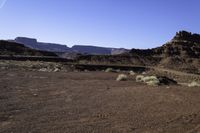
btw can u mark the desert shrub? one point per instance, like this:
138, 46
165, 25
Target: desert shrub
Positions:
151, 80
122, 77
139, 78
153, 83
43, 70
132, 73
194, 84
109, 70
144, 73
56, 70
156, 80
118, 71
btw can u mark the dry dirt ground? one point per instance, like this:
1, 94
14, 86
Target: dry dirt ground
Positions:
93, 102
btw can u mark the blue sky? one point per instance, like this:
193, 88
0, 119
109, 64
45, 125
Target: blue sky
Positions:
108, 23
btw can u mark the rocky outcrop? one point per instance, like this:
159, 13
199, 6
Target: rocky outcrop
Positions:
187, 36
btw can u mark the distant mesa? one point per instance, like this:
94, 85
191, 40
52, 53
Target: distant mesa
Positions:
34, 44
59, 48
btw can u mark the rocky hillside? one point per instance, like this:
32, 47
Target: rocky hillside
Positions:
181, 53
12, 48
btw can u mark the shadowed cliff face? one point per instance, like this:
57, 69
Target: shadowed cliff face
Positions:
12, 48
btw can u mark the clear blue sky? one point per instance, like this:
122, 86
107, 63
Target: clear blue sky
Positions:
110, 23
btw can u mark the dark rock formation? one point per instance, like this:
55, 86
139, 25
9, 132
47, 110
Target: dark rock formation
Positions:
32, 43
187, 36
13, 49
92, 50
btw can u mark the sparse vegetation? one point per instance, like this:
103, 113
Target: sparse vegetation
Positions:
155, 80
144, 73
56, 70
34, 66
194, 84
118, 70
122, 77
109, 70
132, 73
149, 80
139, 78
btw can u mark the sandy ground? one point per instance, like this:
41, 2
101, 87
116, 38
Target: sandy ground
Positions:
93, 102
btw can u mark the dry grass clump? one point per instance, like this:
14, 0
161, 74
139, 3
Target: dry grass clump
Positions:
109, 70
194, 84
144, 73
149, 80
139, 78
117, 71
122, 77
132, 73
